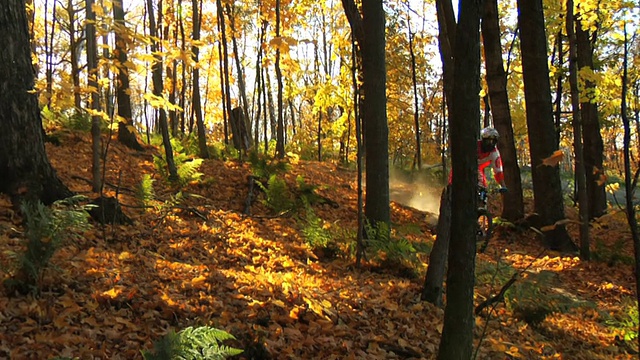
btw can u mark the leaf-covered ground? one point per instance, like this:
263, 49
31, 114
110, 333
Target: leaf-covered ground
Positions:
203, 262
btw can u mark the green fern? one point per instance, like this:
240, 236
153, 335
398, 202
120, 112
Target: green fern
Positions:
186, 166
203, 342
144, 191
46, 229
262, 168
278, 196
315, 235
188, 171
380, 242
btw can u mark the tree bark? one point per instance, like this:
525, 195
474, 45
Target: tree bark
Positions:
126, 135
197, 106
24, 165
432, 290
94, 102
457, 334
593, 144
280, 124
583, 201
512, 202
225, 70
158, 89
370, 33
547, 189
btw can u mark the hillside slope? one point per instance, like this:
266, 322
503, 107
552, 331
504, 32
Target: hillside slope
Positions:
202, 261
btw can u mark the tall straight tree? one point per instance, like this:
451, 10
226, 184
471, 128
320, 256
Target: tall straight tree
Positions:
158, 88
126, 135
547, 190
577, 136
197, 106
280, 124
369, 30
457, 334
512, 204
224, 70
591, 136
24, 165
94, 103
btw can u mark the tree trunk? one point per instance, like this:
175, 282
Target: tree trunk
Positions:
126, 135
547, 189
242, 90
158, 89
457, 334
280, 124
583, 201
225, 70
24, 165
432, 290
374, 110
416, 113
73, 54
197, 107
92, 84
593, 145
512, 202
630, 207
446, 42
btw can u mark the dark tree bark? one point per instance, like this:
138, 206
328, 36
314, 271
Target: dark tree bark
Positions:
512, 204
24, 165
583, 202
224, 70
73, 54
446, 42
126, 135
280, 124
630, 207
547, 189
197, 107
94, 102
158, 89
457, 334
370, 33
416, 115
432, 290
242, 89
593, 145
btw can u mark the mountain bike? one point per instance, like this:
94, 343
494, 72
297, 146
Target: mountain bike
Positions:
485, 221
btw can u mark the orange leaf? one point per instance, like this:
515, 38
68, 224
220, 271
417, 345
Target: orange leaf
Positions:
554, 159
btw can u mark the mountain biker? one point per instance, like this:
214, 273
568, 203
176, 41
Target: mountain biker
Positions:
489, 155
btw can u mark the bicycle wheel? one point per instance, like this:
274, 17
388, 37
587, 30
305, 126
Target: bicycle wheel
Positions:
484, 229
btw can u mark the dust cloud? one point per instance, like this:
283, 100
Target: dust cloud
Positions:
415, 191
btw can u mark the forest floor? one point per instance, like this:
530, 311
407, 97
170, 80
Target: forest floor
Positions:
201, 261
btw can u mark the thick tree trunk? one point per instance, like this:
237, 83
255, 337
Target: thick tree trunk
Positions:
547, 189
593, 145
432, 290
376, 130
126, 135
24, 165
512, 204
457, 333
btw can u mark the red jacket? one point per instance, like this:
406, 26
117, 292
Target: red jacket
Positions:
486, 159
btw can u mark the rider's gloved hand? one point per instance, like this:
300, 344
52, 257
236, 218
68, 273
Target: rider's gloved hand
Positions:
503, 190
